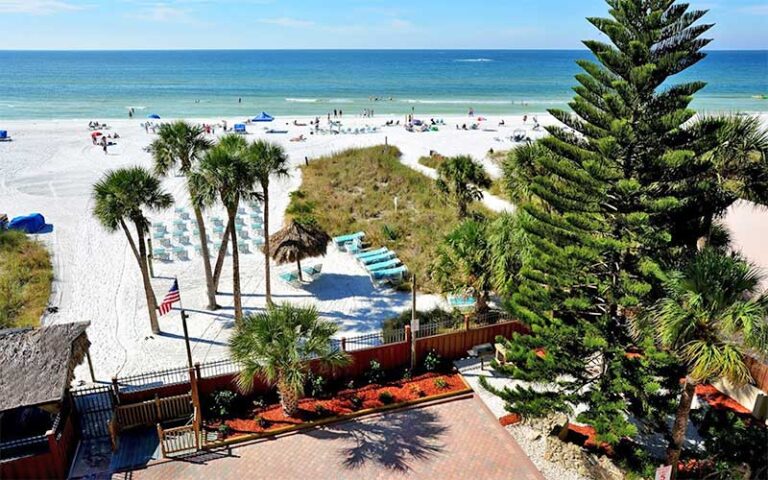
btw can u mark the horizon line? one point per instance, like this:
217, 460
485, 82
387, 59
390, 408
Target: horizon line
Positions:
340, 50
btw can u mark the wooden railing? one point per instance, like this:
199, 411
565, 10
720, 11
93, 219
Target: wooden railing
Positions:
182, 439
153, 411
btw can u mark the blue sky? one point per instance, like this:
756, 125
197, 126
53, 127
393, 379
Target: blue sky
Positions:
441, 24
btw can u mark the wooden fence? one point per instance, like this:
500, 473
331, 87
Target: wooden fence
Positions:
181, 439
149, 412
52, 460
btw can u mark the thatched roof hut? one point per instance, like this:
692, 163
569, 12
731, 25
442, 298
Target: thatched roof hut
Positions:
298, 241
37, 365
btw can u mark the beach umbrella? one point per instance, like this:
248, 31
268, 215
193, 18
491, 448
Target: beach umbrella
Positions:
96, 134
154, 116
263, 117
296, 242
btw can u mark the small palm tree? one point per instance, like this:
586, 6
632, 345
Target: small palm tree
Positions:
223, 175
124, 195
464, 262
267, 160
462, 179
711, 318
181, 144
278, 345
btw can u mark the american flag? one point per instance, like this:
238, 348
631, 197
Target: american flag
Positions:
170, 298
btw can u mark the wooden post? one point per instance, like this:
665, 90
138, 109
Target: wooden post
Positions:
343, 344
116, 389
158, 411
186, 336
160, 437
412, 350
466, 322
90, 364
195, 391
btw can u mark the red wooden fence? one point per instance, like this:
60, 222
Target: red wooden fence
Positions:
451, 346
54, 463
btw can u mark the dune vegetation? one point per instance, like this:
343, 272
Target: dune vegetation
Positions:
26, 273
355, 190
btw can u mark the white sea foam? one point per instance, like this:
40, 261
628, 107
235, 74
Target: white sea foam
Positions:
302, 100
136, 107
458, 102
474, 60
7, 105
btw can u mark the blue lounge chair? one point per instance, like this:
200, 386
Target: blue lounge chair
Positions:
390, 274
375, 267
378, 258
161, 254
371, 253
339, 241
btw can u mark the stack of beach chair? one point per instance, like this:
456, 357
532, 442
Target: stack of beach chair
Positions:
382, 264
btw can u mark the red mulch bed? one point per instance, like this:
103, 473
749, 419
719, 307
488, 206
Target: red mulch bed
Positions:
313, 409
511, 419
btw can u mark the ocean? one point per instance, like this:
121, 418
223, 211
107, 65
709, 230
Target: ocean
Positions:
104, 84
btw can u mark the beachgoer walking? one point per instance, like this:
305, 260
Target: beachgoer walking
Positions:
239, 100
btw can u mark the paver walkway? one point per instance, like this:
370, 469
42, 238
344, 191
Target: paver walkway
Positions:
454, 440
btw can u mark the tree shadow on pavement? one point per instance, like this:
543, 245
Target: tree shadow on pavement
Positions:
391, 441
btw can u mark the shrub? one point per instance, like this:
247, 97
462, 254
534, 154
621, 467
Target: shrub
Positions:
407, 374
259, 403
356, 401
390, 233
386, 398
375, 374
441, 383
418, 391
321, 410
26, 274
316, 385
432, 361
220, 403
263, 422
224, 430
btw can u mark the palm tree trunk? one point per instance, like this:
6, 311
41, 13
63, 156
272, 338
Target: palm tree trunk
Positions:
680, 425
206, 259
235, 269
221, 255
148, 292
298, 265
289, 399
266, 245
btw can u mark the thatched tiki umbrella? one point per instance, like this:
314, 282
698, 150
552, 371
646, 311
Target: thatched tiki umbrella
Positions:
296, 242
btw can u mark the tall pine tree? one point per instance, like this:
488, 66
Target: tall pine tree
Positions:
602, 201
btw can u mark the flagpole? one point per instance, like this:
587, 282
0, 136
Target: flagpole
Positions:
184, 324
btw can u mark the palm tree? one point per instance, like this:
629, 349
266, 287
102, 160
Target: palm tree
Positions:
224, 175
297, 241
181, 144
736, 149
462, 179
124, 195
464, 262
711, 318
278, 345
267, 160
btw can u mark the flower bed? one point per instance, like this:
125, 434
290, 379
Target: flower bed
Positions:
270, 420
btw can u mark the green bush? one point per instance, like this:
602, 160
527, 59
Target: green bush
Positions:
220, 403
432, 361
316, 385
386, 398
26, 274
375, 374
441, 383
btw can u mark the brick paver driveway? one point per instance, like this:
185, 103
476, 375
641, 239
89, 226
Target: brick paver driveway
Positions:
453, 440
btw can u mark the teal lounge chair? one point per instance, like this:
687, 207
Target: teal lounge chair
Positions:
461, 302
378, 258
390, 274
291, 278
312, 272
339, 241
371, 253
375, 267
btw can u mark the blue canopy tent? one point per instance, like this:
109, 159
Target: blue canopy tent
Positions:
4, 136
263, 117
240, 128
33, 223
154, 116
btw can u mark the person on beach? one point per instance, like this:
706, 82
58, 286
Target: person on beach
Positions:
239, 100
525, 118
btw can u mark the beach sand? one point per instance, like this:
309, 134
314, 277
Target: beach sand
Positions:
51, 166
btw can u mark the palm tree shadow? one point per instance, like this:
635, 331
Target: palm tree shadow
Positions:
391, 441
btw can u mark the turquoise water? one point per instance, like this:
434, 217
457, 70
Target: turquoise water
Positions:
209, 83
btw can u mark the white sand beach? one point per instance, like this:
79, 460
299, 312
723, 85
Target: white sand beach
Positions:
50, 168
